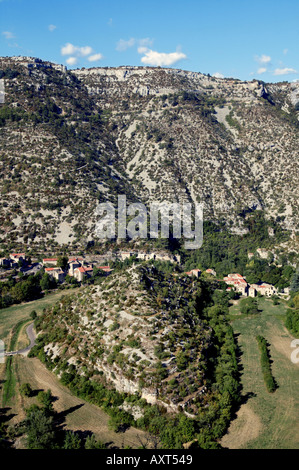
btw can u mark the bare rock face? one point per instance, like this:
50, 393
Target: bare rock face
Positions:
75, 138
294, 95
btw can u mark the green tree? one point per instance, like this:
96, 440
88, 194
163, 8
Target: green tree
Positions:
62, 262
46, 399
92, 443
33, 314
294, 287
39, 429
71, 441
47, 282
26, 390
249, 306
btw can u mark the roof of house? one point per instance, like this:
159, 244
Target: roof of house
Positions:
234, 280
17, 254
262, 284
78, 258
84, 269
54, 269
50, 259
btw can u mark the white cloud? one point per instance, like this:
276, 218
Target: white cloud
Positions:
123, 45
142, 49
218, 75
263, 59
51, 27
145, 42
262, 70
155, 58
95, 57
285, 51
8, 35
285, 71
71, 60
70, 49
84, 51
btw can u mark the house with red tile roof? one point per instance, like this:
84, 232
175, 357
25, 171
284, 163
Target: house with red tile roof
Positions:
106, 269
211, 271
74, 264
76, 258
239, 283
51, 261
265, 289
83, 272
17, 257
194, 272
57, 273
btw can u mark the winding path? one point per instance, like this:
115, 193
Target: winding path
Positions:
32, 338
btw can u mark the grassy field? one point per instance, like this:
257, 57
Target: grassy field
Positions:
78, 414
9, 318
8, 389
265, 420
12, 315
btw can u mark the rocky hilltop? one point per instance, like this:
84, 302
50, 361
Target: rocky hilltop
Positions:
72, 138
140, 331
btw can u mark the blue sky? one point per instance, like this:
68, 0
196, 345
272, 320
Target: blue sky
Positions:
232, 38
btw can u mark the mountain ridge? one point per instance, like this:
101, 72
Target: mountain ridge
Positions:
152, 133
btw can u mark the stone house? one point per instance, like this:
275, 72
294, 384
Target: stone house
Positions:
50, 261
83, 272
16, 257
211, 271
251, 292
194, 272
265, 289
57, 273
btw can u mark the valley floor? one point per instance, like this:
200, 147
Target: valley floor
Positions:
79, 415
265, 420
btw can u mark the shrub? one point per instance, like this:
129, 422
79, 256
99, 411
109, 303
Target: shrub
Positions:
265, 363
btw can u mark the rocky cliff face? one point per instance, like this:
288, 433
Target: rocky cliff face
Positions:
73, 138
226, 143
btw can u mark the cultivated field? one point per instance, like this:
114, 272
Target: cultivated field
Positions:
12, 315
79, 415
266, 421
